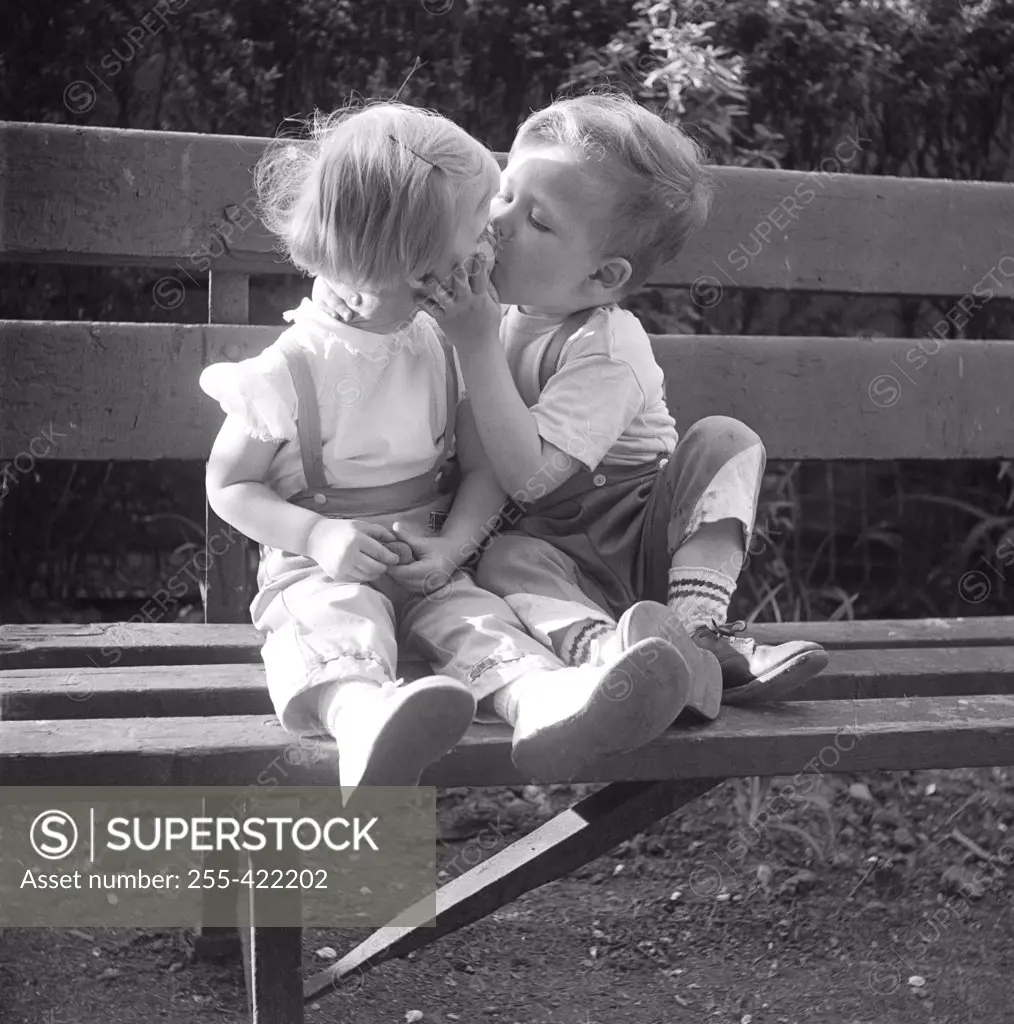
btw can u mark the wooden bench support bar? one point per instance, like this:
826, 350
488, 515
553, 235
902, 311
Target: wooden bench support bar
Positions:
573, 838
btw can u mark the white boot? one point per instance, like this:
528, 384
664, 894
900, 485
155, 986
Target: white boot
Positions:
649, 618
565, 718
387, 734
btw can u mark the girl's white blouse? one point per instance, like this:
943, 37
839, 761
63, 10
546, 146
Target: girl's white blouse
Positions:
382, 400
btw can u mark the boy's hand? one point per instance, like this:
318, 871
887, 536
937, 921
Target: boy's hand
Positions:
403, 550
467, 306
436, 561
324, 296
351, 550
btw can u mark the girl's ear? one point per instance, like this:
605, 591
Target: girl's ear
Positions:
613, 274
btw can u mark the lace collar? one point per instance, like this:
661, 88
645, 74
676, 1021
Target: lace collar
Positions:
352, 338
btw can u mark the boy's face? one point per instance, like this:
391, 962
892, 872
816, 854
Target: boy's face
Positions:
547, 217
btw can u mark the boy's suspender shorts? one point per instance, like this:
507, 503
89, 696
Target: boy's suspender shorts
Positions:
620, 525
598, 520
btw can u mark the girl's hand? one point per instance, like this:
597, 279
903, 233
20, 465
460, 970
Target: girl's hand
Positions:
436, 561
351, 550
324, 296
467, 306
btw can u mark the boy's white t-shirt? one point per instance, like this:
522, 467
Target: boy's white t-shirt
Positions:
606, 401
382, 400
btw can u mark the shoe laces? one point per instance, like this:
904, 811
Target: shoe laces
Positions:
727, 628
732, 632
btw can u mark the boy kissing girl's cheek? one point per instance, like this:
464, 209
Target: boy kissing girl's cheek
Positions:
548, 219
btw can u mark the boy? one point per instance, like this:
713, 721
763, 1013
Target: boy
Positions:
569, 402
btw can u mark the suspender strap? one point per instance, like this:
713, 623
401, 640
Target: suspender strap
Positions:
311, 448
359, 500
551, 356
452, 401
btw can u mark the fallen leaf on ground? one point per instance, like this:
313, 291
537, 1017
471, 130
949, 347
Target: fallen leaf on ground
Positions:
860, 791
963, 880
800, 880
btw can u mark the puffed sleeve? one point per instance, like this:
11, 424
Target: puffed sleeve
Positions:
257, 392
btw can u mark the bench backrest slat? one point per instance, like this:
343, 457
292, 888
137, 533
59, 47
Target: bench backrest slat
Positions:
113, 196
129, 391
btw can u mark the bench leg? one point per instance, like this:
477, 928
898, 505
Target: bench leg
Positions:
273, 957
272, 964
575, 837
218, 942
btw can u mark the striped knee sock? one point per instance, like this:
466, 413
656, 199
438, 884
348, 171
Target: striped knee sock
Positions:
572, 631
580, 642
698, 594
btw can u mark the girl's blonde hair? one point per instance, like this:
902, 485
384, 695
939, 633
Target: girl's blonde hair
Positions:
661, 186
371, 197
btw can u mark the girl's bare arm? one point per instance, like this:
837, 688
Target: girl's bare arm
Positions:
235, 476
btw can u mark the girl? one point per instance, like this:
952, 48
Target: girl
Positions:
336, 456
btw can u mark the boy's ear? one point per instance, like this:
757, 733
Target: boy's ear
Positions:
613, 274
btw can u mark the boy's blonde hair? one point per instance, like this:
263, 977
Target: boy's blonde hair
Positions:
663, 190
371, 198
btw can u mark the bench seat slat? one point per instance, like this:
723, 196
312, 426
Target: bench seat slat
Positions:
897, 734
808, 398
195, 690
114, 644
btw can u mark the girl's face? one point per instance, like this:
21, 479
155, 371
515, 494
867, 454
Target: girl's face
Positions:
546, 217
381, 311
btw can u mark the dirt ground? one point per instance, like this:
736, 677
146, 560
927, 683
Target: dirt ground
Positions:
874, 903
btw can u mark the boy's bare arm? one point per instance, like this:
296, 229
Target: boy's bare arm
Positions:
471, 517
479, 496
526, 465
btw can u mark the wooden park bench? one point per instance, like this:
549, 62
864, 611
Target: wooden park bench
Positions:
187, 704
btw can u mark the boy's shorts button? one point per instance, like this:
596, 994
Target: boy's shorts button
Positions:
599, 479
321, 499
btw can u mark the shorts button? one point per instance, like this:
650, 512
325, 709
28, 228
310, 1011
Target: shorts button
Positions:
662, 463
320, 499
599, 479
